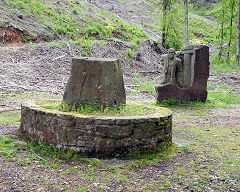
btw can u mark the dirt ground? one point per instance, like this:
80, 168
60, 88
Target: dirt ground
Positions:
210, 163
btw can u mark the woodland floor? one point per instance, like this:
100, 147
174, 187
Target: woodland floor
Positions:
211, 161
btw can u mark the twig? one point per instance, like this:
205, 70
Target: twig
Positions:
132, 85
58, 57
149, 72
12, 59
70, 50
227, 94
37, 155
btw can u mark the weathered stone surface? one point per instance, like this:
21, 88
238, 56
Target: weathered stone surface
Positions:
91, 136
172, 69
95, 79
196, 76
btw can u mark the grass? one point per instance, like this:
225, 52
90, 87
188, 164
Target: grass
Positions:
143, 86
8, 147
94, 109
75, 21
219, 96
130, 53
8, 117
224, 68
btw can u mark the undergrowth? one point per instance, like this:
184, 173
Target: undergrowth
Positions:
70, 20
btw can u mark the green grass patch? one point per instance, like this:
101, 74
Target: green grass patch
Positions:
143, 86
8, 147
193, 104
225, 68
69, 20
219, 96
166, 152
8, 117
94, 109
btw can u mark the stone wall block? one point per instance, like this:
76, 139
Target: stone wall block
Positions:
145, 130
138, 120
80, 121
104, 121
72, 137
114, 131
123, 121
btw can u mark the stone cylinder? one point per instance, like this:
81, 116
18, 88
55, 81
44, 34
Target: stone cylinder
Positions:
95, 80
97, 135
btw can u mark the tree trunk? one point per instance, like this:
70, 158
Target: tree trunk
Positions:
221, 43
166, 7
186, 22
231, 26
238, 35
164, 34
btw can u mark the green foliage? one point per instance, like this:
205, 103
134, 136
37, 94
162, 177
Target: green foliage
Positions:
10, 117
123, 30
74, 21
75, 10
84, 54
7, 147
226, 35
150, 158
97, 29
196, 104
55, 166
73, 169
130, 53
172, 24
224, 65
54, 152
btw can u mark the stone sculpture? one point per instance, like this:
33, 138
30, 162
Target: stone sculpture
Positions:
95, 80
188, 80
172, 69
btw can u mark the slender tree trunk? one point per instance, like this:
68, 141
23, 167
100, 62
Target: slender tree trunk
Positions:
231, 26
186, 22
221, 42
164, 27
238, 35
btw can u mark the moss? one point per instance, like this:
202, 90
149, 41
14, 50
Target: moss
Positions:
53, 106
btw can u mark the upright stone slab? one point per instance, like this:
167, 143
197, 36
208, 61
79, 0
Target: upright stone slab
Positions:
95, 79
195, 62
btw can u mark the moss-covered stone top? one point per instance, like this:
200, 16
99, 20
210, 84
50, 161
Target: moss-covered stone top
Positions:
143, 111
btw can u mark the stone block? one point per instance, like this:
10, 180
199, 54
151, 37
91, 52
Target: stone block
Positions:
95, 80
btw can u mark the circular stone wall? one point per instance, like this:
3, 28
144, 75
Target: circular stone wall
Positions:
93, 135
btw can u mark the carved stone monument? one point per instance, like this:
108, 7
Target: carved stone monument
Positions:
95, 80
185, 74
